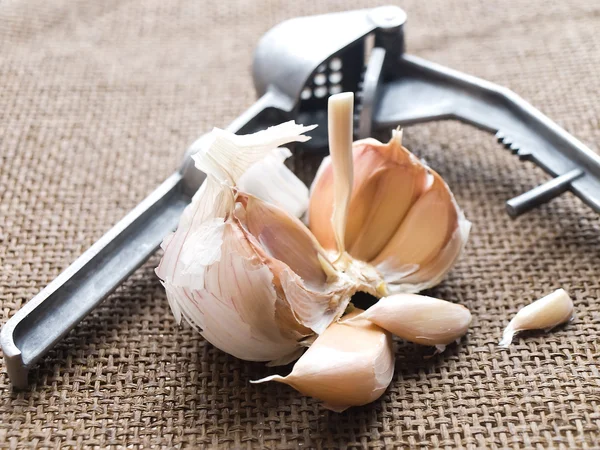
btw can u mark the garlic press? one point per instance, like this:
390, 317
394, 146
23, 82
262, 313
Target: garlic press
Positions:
297, 65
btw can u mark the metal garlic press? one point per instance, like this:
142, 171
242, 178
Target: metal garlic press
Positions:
297, 65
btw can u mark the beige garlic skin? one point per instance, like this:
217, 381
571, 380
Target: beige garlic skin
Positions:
350, 364
544, 314
404, 220
420, 319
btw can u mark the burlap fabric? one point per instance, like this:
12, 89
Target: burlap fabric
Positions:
98, 101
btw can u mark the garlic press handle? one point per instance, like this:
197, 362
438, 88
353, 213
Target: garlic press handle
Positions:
416, 90
50, 315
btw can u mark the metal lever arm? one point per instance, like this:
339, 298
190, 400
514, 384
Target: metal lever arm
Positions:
49, 316
45, 319
421, 91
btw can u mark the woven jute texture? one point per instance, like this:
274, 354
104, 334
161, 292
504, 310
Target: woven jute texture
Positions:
98, 101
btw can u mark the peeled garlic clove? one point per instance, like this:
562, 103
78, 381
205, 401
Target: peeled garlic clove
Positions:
543, 314
350, 364
420, 319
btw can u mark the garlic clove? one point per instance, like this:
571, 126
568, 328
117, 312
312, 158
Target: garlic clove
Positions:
390, 200
420, 319
543, 314
423, 232
427, 244
314, 289
387, 181
415, 278
285, 238
350, 364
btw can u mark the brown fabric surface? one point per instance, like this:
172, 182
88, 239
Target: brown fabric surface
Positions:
98, 101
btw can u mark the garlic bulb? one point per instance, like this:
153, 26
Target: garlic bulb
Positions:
261, 286
350, 364
419, 319
543, 314
404, 222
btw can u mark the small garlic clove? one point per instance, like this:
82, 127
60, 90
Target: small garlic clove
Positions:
420, 319
350, 364
543, 314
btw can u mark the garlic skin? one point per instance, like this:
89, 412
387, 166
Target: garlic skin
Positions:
543, 314
404, 220
420, 319
350, 364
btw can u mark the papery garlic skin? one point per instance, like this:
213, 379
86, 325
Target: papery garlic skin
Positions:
350, 364
420, 319
543, 314
404, 220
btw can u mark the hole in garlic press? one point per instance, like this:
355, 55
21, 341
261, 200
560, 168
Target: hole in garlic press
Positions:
306, 94
335, 89
363, 300
335, 64
320, 79
335, 77
320, 92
